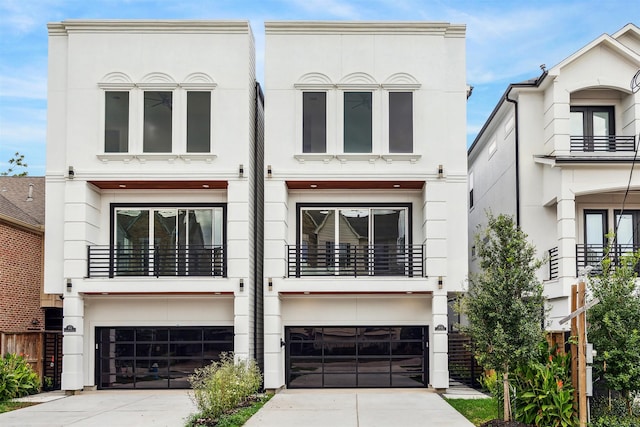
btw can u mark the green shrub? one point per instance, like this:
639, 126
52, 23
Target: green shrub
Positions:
222, 386
614, 412
544, 393
17, 377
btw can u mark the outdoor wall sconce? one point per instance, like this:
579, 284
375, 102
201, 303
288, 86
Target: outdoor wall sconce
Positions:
270, 284
72, 173
241, 285
282, 343
439, 282
269, 172
69, 284
241, 171
440, 171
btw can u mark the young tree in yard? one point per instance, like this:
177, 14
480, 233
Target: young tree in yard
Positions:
614, 324
16, 161
504, 305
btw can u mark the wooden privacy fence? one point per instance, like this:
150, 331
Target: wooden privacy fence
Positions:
41, 349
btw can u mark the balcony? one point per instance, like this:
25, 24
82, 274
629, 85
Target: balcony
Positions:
193, 260
355, 260
592, 255
553, 263
611, 143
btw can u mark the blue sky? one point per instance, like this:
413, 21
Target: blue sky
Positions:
507, 40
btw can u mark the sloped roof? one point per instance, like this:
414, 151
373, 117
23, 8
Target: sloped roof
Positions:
20, 203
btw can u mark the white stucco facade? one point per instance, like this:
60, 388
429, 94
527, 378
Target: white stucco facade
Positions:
425, 184
537, 159
93, 187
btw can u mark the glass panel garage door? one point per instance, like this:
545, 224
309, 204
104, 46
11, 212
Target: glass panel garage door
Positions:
156, 357
375, 356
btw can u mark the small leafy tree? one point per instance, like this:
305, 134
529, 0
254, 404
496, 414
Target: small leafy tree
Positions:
614, 323
17, 161
504, 305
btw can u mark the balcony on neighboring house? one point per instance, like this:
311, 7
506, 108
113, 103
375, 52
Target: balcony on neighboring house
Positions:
192, 260
355, 260
592, 256
553, 263
606, 143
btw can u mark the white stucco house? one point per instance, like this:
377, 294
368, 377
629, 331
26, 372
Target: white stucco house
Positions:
154, 134
365, 195
557, 154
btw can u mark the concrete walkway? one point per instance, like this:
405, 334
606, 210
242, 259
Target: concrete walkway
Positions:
358, 408
104, 408
289, 408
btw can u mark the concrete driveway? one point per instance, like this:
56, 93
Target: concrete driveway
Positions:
358, 408
289, 408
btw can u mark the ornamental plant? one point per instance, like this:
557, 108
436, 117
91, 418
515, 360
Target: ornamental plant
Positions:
544, 394
223, 386
17, 377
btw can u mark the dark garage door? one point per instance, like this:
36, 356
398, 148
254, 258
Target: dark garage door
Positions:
156, 357
356, 356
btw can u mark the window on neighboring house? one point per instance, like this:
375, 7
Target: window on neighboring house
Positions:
358, 122
592, 127
314, 122
157, 133
400, 122
198, 122
595, 230
470, 190
116, 122
169, 241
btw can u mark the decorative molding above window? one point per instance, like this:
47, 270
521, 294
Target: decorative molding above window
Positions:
157, 81
401, 81
198, 81
314, 81
358, 81
116, 80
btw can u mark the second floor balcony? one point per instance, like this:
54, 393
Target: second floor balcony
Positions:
191, 260
593, 255
355, 260
607, 143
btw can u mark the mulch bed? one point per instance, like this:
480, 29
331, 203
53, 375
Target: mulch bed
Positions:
502, 423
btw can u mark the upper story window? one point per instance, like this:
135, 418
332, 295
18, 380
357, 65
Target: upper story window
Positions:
592, 128
157, 115
198, 122
400, 122
116, 122
314, 122
357, 115
358, 133
158, 106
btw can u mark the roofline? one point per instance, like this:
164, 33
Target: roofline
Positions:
365, 27
21, 224
63, 28
501, 101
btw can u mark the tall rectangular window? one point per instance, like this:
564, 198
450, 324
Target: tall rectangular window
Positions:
314, 122
157, 122
592, 128
116, 122
358, 122
400, 122
198, 122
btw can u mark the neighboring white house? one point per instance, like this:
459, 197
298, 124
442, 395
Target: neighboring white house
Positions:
557, 154
154, 131
365, 189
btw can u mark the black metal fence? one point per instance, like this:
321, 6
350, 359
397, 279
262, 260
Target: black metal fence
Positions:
193, 260
355, 260
553, 263
603, 143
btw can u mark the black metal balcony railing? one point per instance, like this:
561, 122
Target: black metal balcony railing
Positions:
603, 143
553, 263
193, 260
592, 255
355, 260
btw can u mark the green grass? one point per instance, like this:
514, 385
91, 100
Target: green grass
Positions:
236, 419
477, 411
12, 406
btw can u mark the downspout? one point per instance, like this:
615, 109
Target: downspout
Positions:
517, 153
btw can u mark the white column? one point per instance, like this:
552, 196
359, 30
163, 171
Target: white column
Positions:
273, 333
72, 343
439, 377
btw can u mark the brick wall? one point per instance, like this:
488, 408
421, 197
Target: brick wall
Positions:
21, 275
